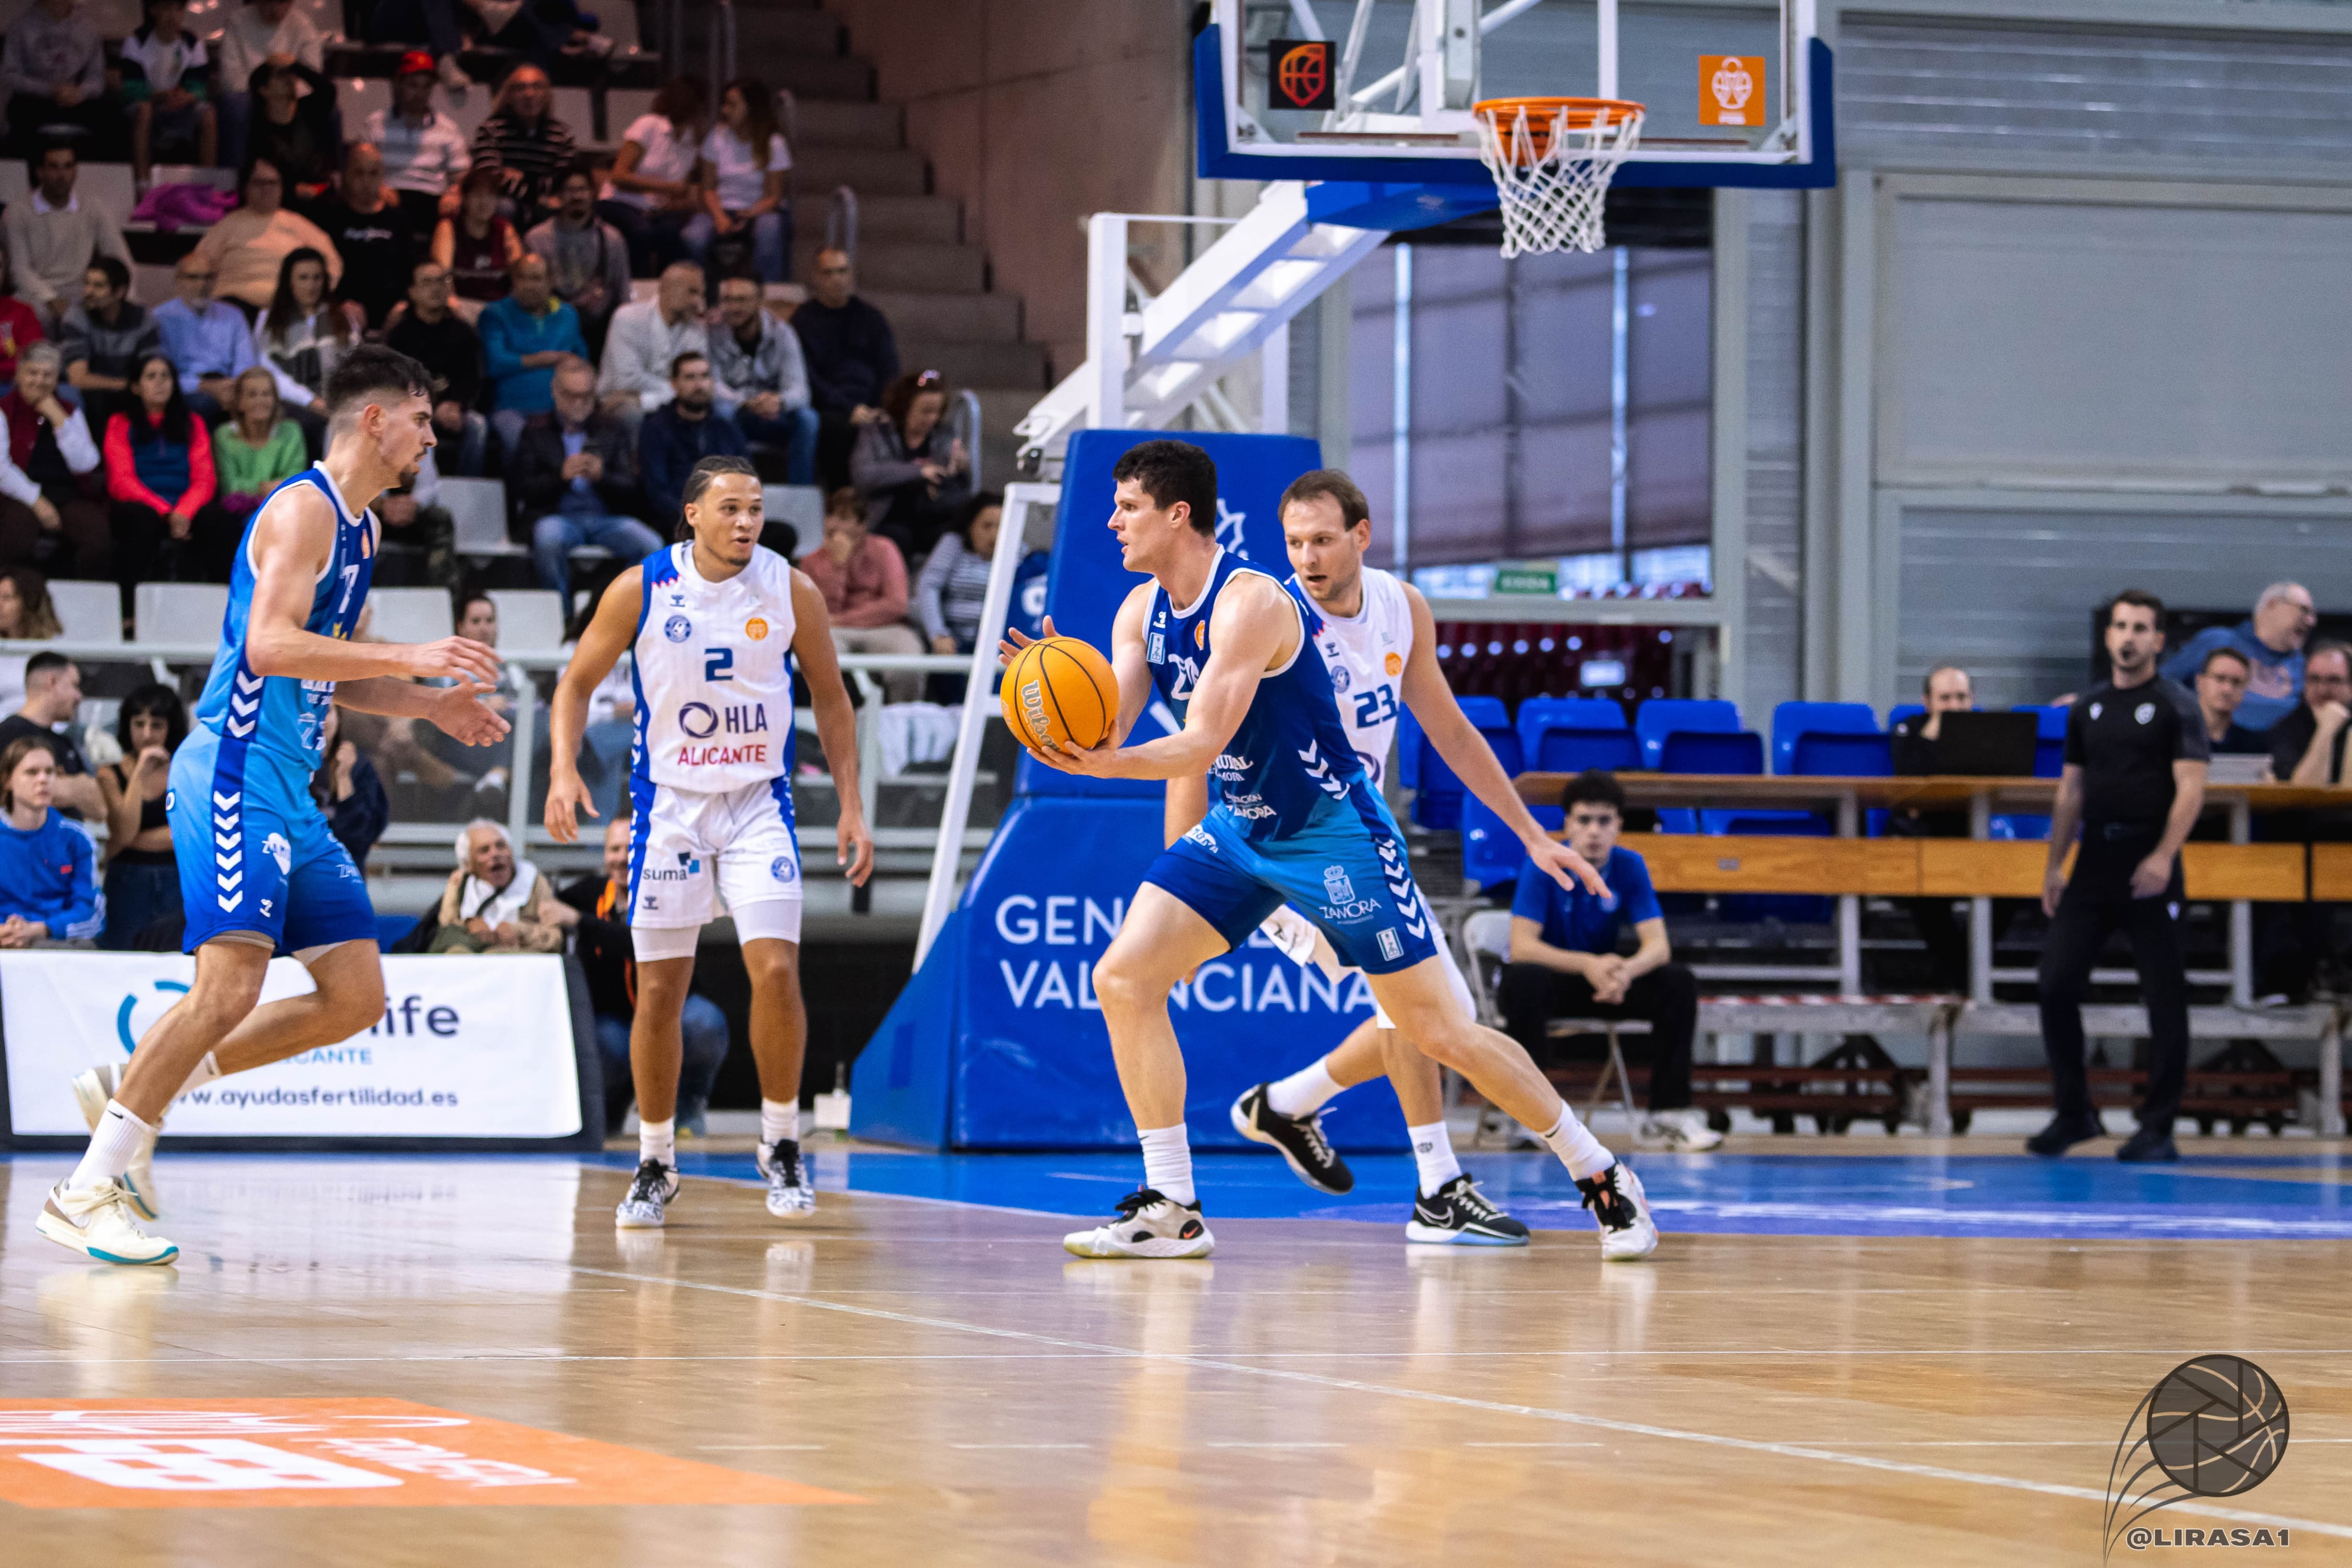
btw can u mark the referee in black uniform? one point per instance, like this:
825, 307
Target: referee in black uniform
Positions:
2133, 783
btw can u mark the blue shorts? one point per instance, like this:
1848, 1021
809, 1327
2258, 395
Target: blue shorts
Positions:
254, 859
1345, 870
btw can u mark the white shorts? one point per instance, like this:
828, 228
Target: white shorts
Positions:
1304, 940
688, 848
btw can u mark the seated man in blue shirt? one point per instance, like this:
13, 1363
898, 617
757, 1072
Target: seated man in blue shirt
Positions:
1565, 962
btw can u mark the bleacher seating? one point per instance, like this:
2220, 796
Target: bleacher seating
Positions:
180, 612
477, 515
1491, 852
1437, 800
1833, 739
2049, 739
405, 614
530, 619
1571, 734
803, 506
86, 612
1686, 735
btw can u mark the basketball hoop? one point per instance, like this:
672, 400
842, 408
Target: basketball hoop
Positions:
1552, 159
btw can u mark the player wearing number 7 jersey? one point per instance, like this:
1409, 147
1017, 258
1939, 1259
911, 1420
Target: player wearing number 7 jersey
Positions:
713, 625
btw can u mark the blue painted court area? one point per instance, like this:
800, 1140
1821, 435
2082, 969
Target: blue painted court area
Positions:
2091, 1198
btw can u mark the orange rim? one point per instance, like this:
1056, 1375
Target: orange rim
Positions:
1582, 114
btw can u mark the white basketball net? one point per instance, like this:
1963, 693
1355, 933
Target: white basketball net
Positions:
1551, 200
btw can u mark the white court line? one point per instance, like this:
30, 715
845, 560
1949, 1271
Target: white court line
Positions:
1561, 1445
1013, 1448
1463, 1402
758, 1447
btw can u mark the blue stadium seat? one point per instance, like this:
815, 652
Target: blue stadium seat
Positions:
1569, 734
1439, 795
1684, 735
1491, 852
2050, 738
1902, 710
1829, 738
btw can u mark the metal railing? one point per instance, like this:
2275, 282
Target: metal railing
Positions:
841, 223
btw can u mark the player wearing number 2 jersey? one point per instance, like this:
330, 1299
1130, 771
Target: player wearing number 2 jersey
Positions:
1294, 819
713, 626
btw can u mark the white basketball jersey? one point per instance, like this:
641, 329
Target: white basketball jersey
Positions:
714, 673
1366, 655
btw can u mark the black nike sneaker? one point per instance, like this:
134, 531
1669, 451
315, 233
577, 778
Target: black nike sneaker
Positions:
1617, 1202
1458, 1215
1149, 1224
1299, 1138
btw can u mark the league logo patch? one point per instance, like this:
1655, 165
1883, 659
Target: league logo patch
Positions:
1394, 663
677, 628
1391, 948
756, 629
1201, 633
2144, 713
783, 870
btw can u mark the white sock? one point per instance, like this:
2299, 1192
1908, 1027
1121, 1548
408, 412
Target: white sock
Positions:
1168, 1161
659, 1140
1578, 1149
113, 1146
1303, 1093
206, 1070
1433, 1151
779, 1120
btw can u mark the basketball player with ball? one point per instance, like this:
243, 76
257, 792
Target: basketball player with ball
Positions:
1293, 814
713, 625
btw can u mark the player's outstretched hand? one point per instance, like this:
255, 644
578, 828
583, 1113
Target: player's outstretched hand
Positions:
567, 796
1014, 640
458, 713
852, 848
1562, 864
454, 658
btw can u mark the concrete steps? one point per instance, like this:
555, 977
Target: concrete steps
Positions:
869, 171
838, 122
768, 33
950, 318
1010, 365
888, 264
926, 220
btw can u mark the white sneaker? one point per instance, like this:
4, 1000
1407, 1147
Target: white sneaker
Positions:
791, 1190
98, 1221
92, 1090
1149, 1226
1677, 1132
650, 1192
1616, 1200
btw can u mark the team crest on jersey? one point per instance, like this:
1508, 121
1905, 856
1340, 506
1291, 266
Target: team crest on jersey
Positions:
677, 628
756, 629
783, 870
1340, 678
1394, 663
1336, 885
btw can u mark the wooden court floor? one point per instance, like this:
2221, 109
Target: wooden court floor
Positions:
914, 1382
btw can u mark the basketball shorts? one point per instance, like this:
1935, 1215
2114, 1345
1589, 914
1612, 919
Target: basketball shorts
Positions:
688, 848
257, 860
1345, 870
1303, 941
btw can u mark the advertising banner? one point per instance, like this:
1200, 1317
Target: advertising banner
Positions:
469, 1048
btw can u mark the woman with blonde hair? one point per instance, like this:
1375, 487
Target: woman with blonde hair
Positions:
257, 450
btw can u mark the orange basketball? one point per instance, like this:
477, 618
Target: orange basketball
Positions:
1060, 694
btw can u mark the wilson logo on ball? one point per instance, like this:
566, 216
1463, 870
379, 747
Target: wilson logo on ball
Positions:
1060, 695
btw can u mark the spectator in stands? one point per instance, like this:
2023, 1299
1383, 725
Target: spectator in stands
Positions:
27, 614
415, 521
259, 33
526, 144
1565, 962
496, 903
164, 70
914, 470
1912, 742
575, 473
524, 337
372, 233
755, 361
2272, 640
247, 249
350, 791
52, 237
52, 699
260, 450
646, 338
741, 169
954, 580
650, 196
159, 471
300, 339
47, 517
587, 260
142, 875
476, 246
433, 334
490, 769
294, 126
20, 325
2220, 689
209, 341
602, 941
54, 69
2307, 745
425, 155
851, 357
864, 580
105, 335
680, 433
48, 885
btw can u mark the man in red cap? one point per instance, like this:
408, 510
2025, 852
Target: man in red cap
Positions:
425, 153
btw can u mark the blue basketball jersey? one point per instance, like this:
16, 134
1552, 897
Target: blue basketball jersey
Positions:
269, 726
1292, 752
